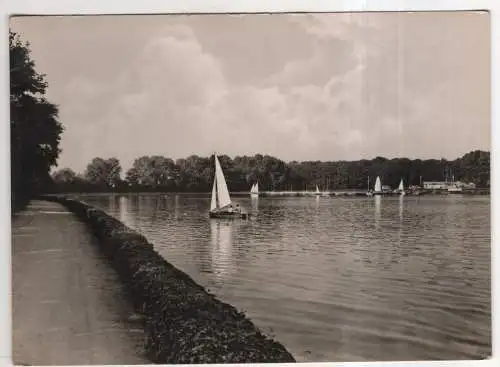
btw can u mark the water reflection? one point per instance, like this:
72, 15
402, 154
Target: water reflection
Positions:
125, 212
378, 203
350, 281
221, 246
255, 203
401, 208
397, 249
177, 208
161, 203
113, 203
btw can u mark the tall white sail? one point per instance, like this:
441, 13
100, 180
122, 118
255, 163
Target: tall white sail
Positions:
222, 191
401, 186
213, 203
317, 189
255, 188
378, 185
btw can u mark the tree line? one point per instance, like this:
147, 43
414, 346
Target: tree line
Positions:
195, 173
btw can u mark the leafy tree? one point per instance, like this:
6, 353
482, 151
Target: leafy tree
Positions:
132, 176
152, 171
64, 175
103, 172
35, 131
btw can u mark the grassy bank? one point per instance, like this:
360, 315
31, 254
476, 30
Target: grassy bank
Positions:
183, 322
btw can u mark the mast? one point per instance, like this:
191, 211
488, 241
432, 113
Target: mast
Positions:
213, 202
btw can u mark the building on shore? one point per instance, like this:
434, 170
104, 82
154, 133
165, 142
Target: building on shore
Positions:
435, 185
446, 185
386, 188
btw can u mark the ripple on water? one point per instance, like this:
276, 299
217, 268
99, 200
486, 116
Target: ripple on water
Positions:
338, 279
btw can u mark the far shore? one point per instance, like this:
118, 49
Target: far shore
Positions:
335, 193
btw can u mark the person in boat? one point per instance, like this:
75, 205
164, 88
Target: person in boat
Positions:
234, 209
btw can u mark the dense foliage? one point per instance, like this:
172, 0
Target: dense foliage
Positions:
195, 174
34, 127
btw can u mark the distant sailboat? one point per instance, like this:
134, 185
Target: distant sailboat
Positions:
317, 191
369, 192
401, 188
254, 191
378, 187
221, 205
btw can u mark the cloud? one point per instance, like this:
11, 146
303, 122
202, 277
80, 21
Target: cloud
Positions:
301, 87
183, 97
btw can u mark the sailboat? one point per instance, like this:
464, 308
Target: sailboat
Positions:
401, 188
378, 187
369, 192
221, 205
254, 191
317, 191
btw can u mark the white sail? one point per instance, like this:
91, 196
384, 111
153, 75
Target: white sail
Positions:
213, 203
378, 185
255, 188
222, 192
401, 186
317, 189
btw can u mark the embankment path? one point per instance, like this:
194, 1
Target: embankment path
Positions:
68, 305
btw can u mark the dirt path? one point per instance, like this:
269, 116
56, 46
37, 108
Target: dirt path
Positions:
68, 306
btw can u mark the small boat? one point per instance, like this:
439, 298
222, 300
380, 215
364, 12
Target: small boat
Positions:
221, 205
254, 191
378, 187
401, 189
317, 191
369, 192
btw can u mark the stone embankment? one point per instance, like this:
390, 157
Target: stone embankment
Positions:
183, 322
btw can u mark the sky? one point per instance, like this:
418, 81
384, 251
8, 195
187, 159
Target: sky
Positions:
340, 86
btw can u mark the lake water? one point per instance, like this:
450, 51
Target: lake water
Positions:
337, 279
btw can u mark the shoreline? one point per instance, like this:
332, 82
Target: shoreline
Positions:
332, 194
183, 323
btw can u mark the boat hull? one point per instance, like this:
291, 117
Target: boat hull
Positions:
229, 215
386, 193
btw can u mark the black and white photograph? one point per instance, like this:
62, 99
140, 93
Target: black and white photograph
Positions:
250, 188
